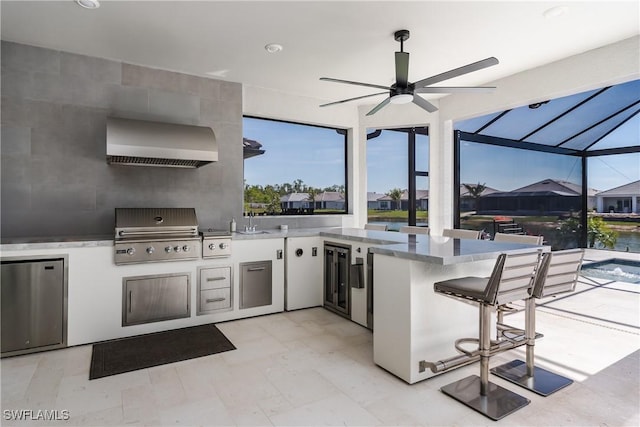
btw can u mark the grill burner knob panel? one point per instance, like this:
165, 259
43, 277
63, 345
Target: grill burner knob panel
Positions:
131, 251
186, 248
177, 249
224, 245
212, 246
151, 250
168, 249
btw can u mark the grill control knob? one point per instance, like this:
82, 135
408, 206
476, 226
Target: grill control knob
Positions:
168, 249
151, 250
186, 248
212, 246
224, 245
177, 249
131, 251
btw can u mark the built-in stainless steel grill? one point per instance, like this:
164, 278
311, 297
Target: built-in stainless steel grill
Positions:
156, 234
216, 243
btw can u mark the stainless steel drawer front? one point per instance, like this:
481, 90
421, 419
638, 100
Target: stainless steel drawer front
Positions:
215, 299
255, 284
215, 278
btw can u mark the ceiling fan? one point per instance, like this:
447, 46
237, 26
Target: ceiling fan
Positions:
403, 91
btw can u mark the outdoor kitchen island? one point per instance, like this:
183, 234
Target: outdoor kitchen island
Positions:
410, 322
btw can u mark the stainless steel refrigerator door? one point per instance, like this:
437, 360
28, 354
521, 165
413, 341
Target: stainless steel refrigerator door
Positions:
33, 304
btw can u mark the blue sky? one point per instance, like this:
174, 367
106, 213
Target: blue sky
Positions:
316, 154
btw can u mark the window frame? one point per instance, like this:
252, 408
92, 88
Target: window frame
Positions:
341, 131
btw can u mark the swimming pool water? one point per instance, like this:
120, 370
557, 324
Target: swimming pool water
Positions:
620, 270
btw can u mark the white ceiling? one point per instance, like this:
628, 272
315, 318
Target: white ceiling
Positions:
345, 40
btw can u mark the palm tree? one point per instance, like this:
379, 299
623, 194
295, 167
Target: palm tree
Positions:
396, 195
313, 192
475, 191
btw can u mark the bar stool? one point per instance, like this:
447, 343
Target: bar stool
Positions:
558, 274
511, 280
412, 229
376, 227
458, 233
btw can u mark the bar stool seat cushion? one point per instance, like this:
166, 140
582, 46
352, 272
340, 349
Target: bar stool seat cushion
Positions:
466, 287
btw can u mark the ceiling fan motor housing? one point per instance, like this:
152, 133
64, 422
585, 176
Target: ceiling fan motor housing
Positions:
401, 35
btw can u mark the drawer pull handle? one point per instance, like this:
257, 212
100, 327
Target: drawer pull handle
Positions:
213, 279
256, 269
215, 299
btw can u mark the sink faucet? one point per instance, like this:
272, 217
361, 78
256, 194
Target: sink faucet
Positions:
251, 226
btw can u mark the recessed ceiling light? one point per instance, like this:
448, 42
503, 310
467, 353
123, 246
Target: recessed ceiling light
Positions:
554, 12
89, 4
273, 48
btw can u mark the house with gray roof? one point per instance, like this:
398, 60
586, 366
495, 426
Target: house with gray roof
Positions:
374, 201
622, 199
422, 201
549, 196
300, 202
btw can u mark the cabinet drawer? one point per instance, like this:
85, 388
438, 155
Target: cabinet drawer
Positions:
215, 299
215, 278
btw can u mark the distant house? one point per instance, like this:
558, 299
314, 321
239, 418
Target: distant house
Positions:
422, 201
295, 201
548, 196
622, 199
374, 202
324, 200
329, 200
467, 201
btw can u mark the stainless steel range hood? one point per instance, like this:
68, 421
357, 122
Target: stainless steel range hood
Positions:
144, 143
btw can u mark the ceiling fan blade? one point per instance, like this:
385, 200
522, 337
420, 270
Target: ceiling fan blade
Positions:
379, 107
329, 79
423, 103
457, 89
469, 68
402, 69
353, 99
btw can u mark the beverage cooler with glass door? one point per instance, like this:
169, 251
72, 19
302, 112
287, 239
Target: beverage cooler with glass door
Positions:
337, 261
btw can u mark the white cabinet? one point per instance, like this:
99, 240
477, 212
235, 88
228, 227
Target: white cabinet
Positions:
304, 272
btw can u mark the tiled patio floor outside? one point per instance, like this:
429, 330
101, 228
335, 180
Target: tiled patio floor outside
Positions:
311, 367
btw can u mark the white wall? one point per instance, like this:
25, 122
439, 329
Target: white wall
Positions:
612, 64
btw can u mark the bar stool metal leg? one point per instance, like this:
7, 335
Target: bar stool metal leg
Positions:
526, 374
478, 393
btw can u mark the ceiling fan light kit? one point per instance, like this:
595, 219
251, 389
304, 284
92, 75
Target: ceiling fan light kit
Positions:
403, 91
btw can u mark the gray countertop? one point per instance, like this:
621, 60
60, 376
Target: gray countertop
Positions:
447, 250
432, 249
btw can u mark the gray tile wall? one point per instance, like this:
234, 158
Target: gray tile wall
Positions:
55, 180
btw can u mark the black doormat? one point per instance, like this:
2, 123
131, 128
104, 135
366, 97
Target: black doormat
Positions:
144, 351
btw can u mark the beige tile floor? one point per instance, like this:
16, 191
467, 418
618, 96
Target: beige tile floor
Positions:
311, 367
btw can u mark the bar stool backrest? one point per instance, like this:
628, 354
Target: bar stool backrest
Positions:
457, 233
412, 229
512, 278
518, 238
377, 227
558, 273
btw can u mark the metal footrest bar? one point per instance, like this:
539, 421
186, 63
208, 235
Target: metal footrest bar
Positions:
469, 356
542, 382
497, 403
